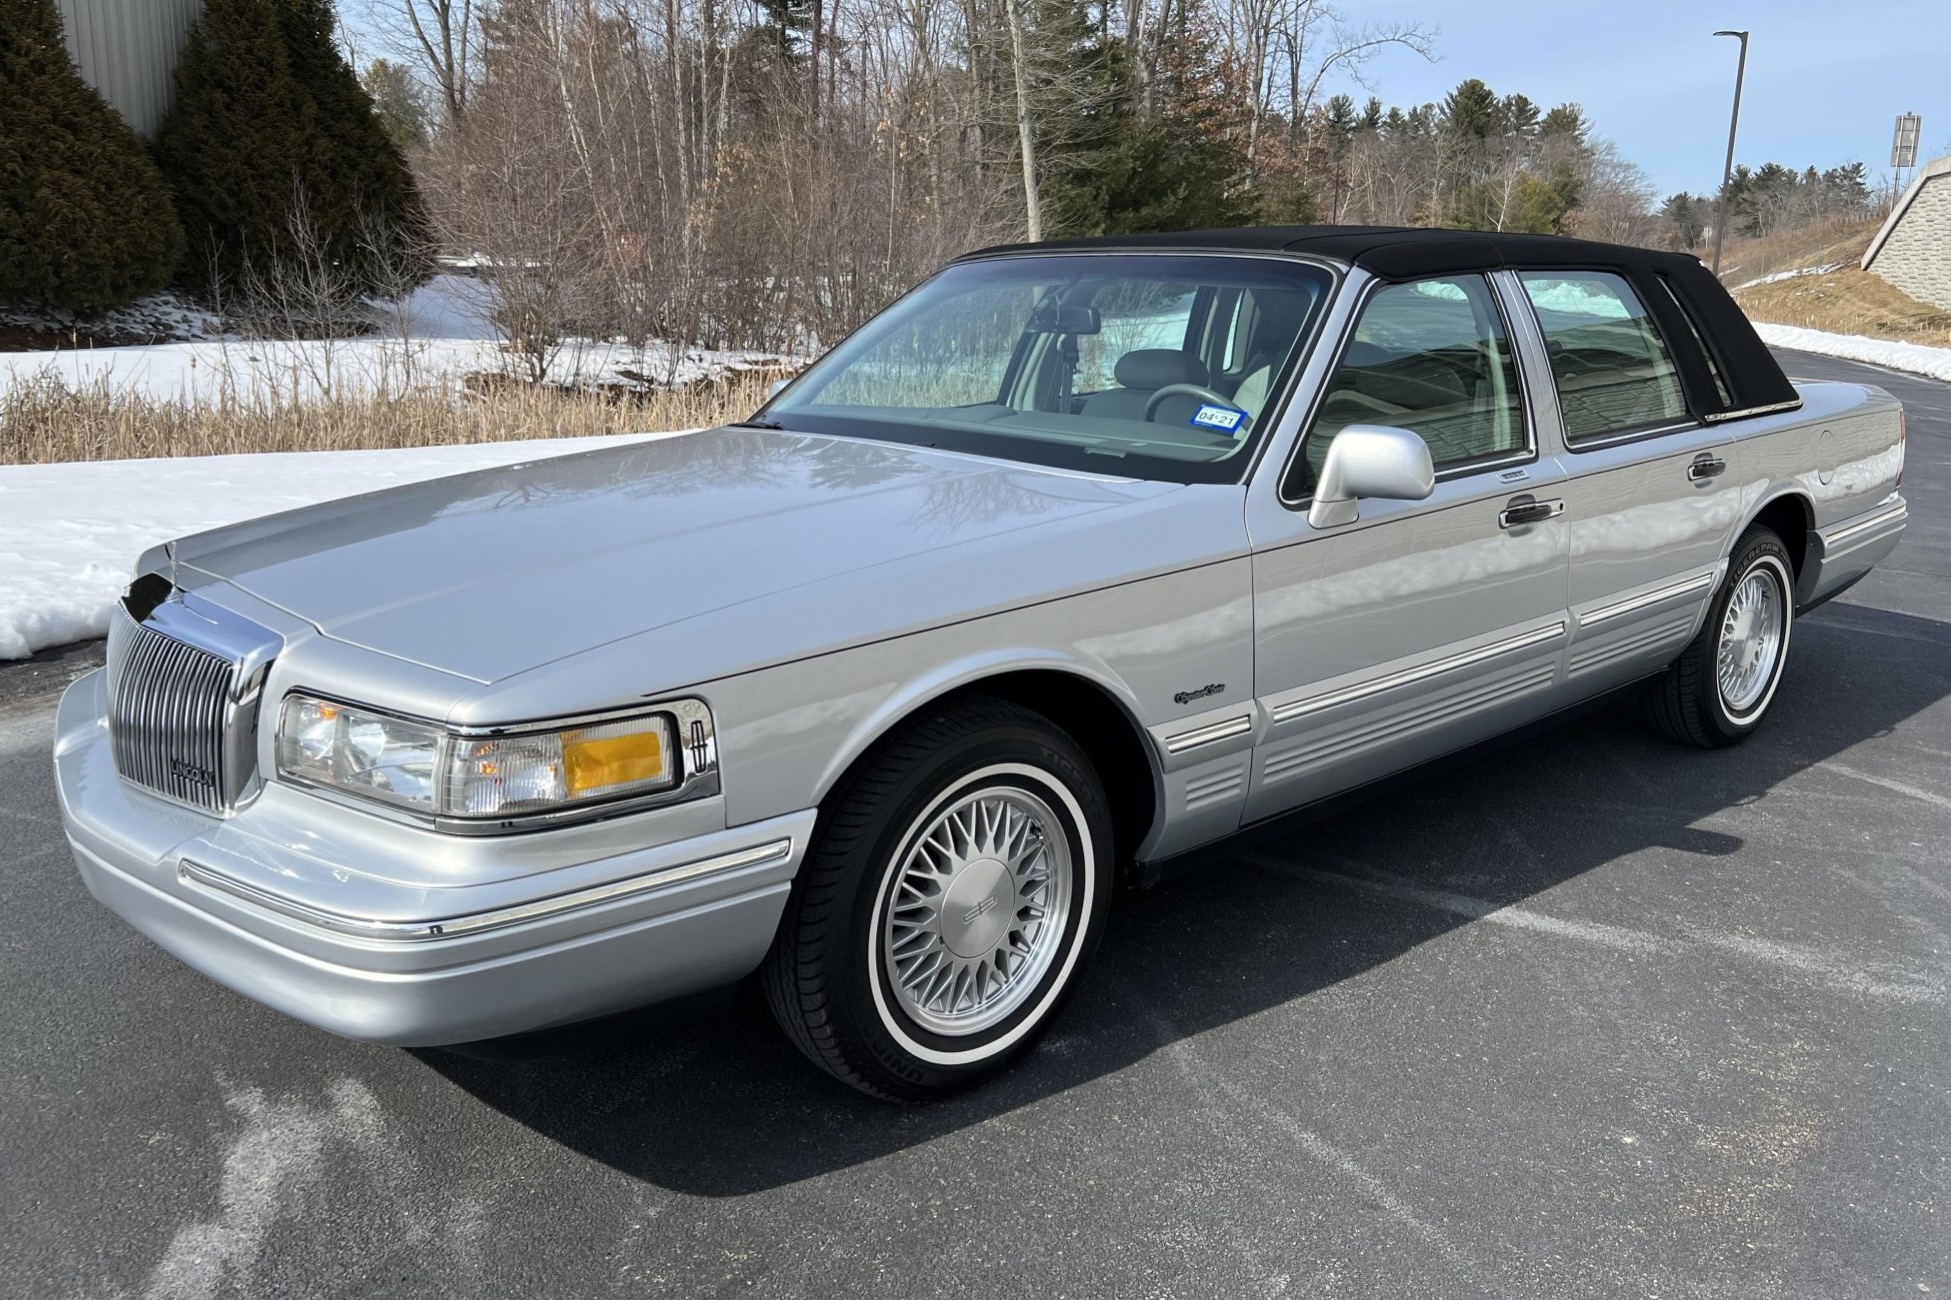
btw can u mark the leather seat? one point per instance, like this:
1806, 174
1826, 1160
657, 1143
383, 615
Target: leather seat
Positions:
1142, 373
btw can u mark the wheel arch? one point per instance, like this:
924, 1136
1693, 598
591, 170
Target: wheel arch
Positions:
1790, 515
1088, 701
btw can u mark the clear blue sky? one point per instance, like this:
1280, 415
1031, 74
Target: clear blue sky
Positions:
1826, 78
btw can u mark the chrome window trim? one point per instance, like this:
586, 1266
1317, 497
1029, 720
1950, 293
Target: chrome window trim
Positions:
694, 733
1771, 409
472, 923
1686, 586
1460, 469
1224, 729
1633, 435
1421, 672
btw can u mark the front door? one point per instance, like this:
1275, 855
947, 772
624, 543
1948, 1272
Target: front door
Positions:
1426, 625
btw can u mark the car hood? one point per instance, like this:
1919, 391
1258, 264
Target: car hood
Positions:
488, 574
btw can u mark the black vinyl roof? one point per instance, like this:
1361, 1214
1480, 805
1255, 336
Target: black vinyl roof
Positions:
1726, 340
1393, 252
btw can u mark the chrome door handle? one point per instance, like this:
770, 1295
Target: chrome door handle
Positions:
1705, 468
1519, 513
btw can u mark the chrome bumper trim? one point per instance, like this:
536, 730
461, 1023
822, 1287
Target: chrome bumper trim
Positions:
1685, 587
193, 873
1421, 672
1897, 513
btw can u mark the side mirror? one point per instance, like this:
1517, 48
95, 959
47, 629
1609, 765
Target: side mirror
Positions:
775, 388
1370, 460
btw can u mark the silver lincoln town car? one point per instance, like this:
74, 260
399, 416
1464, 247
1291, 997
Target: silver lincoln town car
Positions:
1076, 559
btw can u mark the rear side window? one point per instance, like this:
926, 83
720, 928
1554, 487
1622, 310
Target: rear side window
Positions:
1433, 357
1613, 370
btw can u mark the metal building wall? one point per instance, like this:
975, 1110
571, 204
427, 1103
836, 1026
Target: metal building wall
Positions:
127, 50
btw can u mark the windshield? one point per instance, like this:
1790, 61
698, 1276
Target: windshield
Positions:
1144, 365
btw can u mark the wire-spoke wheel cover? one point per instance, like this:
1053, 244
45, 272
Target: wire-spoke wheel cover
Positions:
1751, 640
977, 909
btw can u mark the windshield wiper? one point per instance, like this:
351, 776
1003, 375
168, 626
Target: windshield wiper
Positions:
756, 423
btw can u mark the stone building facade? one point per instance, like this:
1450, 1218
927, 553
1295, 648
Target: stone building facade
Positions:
1913, 250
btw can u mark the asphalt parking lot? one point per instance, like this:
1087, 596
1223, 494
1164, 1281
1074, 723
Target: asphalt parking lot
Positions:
1591, 1015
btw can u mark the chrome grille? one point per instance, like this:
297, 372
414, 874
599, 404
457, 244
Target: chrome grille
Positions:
168, 703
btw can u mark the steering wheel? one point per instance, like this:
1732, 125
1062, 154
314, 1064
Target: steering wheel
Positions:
1199, 391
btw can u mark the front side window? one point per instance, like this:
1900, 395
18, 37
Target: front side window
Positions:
1614, 373
1126, 364
1433, 357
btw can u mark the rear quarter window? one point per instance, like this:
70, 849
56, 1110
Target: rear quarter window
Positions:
1614, 373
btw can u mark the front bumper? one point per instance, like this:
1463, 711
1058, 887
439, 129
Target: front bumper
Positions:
395, 934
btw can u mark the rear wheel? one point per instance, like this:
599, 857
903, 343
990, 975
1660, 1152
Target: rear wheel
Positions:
1718, 691
957, 882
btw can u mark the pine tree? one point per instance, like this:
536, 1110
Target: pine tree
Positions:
1473, 109
361, 194
1683, 214
231, 146
85, 221
1566, 121
270, 127
399, 102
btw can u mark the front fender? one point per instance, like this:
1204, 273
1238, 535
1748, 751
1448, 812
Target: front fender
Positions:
993, 665
788, 734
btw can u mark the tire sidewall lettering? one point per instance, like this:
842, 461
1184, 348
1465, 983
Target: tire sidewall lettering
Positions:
1766, 559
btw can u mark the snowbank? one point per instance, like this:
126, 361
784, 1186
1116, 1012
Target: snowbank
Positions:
69, 533
436, 336
1913, 357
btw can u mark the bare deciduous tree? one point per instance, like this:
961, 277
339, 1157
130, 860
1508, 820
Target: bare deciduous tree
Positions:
436, 37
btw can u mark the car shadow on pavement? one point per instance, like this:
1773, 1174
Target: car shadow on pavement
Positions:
725, 1107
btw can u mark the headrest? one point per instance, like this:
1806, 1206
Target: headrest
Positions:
1154, 368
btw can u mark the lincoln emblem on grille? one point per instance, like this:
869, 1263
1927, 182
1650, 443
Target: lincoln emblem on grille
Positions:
190, 772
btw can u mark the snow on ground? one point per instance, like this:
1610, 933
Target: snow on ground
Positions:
160, 315
1916, 358
69, 534
438, 334
1799, 271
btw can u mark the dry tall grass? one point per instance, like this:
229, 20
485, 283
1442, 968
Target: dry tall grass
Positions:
1848, 301
42, 420
1818, 244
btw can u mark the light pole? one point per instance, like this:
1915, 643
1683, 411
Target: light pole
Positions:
1727, 168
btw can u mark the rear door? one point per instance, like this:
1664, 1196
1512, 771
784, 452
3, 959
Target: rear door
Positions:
1424, 625
1649, 491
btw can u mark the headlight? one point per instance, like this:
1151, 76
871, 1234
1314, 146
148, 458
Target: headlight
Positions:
388, 759
514, 773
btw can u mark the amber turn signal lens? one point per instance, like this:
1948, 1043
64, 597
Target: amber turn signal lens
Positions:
594, 763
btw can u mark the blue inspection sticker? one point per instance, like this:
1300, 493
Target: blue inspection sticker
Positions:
1220, 419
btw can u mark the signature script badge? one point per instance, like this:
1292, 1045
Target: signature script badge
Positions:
1210, 688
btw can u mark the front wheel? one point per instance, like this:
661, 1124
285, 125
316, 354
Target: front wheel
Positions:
1717, 692
957, 882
